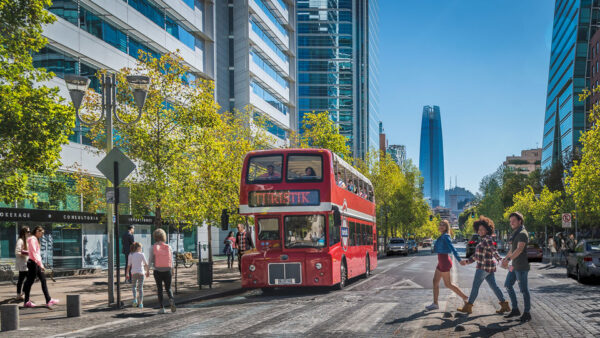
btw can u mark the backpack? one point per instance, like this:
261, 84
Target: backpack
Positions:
162, 255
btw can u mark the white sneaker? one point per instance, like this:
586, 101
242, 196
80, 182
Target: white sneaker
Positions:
161, 311
432, 307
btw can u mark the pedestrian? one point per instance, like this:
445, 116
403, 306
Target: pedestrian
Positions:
520, 267
571, 243
229, 249
484, 255
563, 249
552, 247
21, 256
126, 241
161, 258
443, 247
137, 268
35, 268
243, 241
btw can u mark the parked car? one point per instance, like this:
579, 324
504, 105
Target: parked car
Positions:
584, 261
534, 252
397, 245
428, 242
472, 243
412, 246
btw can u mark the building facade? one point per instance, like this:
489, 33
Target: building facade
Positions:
431, 156
398, 153
594, 55
457, 199
89, 35
575, 21
256, 62
337, 67
528, 162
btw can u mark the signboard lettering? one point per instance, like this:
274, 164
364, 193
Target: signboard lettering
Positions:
283, 198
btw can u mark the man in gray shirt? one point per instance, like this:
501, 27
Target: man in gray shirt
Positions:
520, 267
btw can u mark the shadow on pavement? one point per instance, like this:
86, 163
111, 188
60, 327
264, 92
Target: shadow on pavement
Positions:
492, 329
448, 323
412, 317
10, 301
135, 315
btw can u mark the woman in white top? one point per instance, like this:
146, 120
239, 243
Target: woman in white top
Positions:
21, 256
137, 267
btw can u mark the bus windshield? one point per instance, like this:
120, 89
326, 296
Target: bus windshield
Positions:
265, 169
268, 229
304, 231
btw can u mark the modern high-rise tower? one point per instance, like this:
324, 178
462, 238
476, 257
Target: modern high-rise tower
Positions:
431, 156
337, 67
575, 21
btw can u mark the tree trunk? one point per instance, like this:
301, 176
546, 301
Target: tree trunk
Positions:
158, 218
210, 255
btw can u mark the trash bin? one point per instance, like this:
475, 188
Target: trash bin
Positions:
205, 271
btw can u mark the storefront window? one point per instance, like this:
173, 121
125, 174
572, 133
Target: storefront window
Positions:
66, 245
8, 239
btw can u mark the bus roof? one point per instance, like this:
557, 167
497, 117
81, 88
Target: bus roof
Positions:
351, 168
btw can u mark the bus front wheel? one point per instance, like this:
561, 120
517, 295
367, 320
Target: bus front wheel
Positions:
343, 276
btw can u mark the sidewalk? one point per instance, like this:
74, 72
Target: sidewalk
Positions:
94, 291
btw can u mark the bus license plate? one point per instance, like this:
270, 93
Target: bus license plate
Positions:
285, 281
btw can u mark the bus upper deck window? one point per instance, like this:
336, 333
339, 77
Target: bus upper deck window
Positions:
304, 168
263, 169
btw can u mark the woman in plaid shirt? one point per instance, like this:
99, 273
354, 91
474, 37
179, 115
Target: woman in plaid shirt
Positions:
484, 255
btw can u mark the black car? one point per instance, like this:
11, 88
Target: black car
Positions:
472, 243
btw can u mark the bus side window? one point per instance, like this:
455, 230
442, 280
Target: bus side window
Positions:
334, 231
363, 229
352, 234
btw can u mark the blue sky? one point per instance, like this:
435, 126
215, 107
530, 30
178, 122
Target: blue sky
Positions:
484, 62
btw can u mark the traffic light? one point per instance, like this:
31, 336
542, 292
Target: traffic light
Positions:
224, 220
472, 214
430, 218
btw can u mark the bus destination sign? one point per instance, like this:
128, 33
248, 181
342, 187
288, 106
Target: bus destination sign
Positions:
278, 198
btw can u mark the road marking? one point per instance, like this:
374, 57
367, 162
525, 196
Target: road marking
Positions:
364, 319
303, 321
377, 275
111, 323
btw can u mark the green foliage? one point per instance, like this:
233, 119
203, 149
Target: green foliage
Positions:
546, 209
319, 131
34, 122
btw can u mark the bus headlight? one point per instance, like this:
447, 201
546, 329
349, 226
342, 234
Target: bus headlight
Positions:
318, 266
252, 267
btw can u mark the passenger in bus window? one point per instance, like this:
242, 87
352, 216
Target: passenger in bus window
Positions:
271, 174
309, 172
351, 186
340, 180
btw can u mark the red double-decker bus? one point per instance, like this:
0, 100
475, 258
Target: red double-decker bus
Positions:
314, 219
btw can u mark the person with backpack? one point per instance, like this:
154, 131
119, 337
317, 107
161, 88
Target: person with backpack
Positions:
229, 249
161, 258
136, 263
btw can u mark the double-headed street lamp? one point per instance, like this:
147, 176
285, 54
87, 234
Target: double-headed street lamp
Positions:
77, 86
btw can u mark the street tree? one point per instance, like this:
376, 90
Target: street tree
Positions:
319, 131
175, 128
34, 121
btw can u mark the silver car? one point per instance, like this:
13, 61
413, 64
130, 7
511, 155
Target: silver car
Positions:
397, 245
584, 261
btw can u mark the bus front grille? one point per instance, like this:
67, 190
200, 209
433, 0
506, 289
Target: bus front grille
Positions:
285, 273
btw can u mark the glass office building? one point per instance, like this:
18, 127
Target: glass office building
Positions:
431, 156
337, 66
575, 21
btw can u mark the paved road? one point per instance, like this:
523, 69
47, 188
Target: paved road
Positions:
390, 303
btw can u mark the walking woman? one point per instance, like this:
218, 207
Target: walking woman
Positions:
484, 255
443, 247
161, 257
229, 249
35, 268
21, 256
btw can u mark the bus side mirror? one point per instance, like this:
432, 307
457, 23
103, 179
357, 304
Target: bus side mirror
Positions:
337, 216
224, 220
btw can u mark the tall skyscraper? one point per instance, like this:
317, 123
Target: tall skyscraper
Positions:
337, 66
575, 21
256, 63
431, 156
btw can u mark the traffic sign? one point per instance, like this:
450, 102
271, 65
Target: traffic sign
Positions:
116, 158
566, 220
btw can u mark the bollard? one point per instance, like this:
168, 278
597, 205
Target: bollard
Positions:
9, 317
73, 305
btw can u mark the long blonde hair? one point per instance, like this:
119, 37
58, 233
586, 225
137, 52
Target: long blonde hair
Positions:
447, 225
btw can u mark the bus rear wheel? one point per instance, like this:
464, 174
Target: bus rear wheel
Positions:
343, 276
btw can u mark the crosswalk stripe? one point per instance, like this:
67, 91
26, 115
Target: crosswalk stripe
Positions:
307, 319
243, 320
364, 319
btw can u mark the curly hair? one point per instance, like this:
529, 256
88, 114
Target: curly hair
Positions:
485, 222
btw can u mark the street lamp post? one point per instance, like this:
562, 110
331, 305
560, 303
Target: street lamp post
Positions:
77, 86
